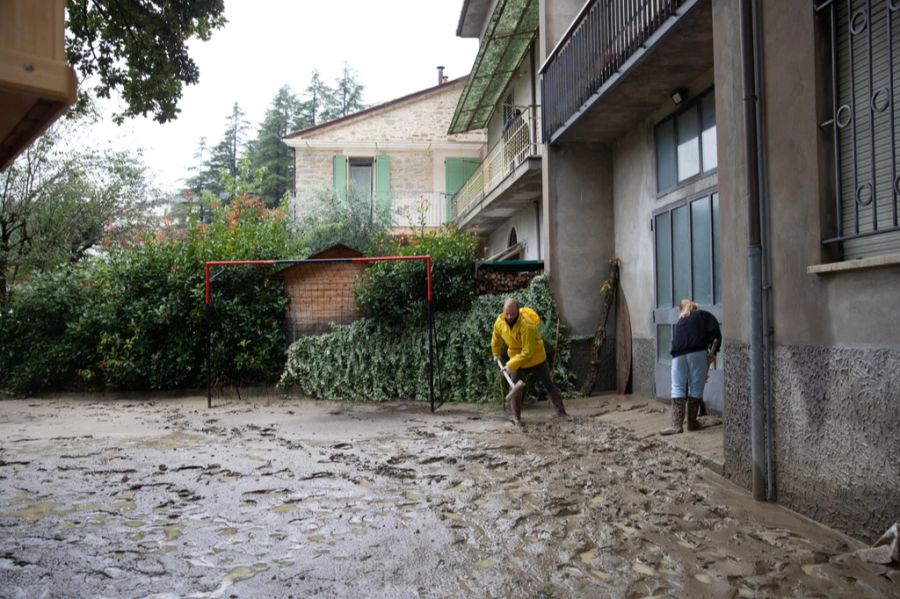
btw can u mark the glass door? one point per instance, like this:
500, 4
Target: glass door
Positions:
686, 265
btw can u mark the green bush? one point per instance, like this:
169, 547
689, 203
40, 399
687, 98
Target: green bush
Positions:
135, 318
378, 360
393, 291
40, 343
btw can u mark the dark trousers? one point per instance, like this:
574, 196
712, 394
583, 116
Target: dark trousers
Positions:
543, 373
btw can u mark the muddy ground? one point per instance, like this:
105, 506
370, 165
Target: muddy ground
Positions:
277, 497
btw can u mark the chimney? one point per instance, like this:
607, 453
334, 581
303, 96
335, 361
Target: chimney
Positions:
441, 79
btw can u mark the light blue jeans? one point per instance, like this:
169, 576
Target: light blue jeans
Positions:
689, 375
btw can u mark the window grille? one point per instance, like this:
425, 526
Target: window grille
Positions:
862, 122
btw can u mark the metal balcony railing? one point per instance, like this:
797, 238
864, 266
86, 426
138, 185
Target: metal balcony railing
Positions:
520, 140
601, 38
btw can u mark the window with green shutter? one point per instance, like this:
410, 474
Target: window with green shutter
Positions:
383, 183
339, 174
456, 172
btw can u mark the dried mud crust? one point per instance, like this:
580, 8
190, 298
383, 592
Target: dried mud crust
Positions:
287, 498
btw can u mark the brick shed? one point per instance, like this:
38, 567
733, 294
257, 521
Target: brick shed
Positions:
321, 294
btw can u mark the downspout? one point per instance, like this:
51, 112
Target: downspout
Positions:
749, 38
767, 324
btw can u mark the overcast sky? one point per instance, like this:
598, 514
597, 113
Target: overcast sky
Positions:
394, 46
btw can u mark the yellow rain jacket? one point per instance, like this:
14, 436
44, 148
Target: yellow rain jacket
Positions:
523, 341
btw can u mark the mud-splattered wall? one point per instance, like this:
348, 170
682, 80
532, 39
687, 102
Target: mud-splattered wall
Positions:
836, 419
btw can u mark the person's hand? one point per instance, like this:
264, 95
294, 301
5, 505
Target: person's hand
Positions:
710, 359
505, 370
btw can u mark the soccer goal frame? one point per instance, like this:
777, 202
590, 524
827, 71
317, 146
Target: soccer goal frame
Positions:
209, 277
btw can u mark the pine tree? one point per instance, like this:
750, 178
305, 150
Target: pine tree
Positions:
270, 156
347, 95
223, 158
317, 101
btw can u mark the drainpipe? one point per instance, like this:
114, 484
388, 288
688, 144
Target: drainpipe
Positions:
749, 43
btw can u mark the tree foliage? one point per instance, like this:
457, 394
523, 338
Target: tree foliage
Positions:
393, 291
139, 48
352, 219
223, 159
346, 97
395, 355
271, 157
135, 319
61, 199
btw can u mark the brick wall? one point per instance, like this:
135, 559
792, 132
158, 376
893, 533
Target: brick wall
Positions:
321, 295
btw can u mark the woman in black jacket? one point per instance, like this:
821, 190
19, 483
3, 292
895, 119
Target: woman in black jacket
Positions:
695, 341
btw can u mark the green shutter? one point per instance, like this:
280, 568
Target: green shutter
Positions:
339, 172
383, 184
456, 172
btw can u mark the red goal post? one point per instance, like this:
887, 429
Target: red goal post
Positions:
208, 278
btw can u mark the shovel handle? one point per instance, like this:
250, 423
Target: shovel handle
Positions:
505, 374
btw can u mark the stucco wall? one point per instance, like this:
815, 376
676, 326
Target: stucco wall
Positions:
836, 360
526, 223
579, 221
555, 18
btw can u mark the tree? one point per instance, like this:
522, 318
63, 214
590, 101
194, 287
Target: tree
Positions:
59, 200
271, 158
347, 95
139, 48
223, 158
351, 219
317, 102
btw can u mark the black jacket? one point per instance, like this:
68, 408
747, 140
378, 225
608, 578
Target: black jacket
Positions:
695, 332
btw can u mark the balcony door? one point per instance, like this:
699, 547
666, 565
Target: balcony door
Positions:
686, 265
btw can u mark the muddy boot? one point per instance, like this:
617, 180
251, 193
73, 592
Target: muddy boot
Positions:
556, 400
515, 405
677, 417
693, 409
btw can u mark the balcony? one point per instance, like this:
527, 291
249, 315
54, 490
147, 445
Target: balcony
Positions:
621, 60
507, 180
417, 209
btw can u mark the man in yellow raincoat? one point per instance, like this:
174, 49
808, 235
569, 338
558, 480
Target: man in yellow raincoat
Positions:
517, 328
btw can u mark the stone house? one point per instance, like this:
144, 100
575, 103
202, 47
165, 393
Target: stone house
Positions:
397, 153
677, 137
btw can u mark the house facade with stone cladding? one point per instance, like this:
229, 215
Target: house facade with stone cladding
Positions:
398, 153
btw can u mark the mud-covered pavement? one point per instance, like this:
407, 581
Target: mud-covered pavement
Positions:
290, 498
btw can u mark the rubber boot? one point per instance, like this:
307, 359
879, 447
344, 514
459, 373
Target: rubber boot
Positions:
693, 409
556, 400
515, 405
677, 417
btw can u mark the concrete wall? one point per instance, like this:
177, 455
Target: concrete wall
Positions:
555, 18
836, 345
527, 231
578, 206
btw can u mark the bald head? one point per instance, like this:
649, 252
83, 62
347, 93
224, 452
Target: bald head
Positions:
511, 310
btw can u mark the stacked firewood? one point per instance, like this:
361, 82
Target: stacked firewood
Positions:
490, 281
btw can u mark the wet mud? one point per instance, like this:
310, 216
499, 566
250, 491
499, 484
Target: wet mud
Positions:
291, 498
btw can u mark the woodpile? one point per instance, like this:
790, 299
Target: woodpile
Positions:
493, 281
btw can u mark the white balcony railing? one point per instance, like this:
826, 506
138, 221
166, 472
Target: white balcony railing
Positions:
418, 208
521, 140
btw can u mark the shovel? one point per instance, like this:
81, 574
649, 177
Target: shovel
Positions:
515, 389
712, 352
